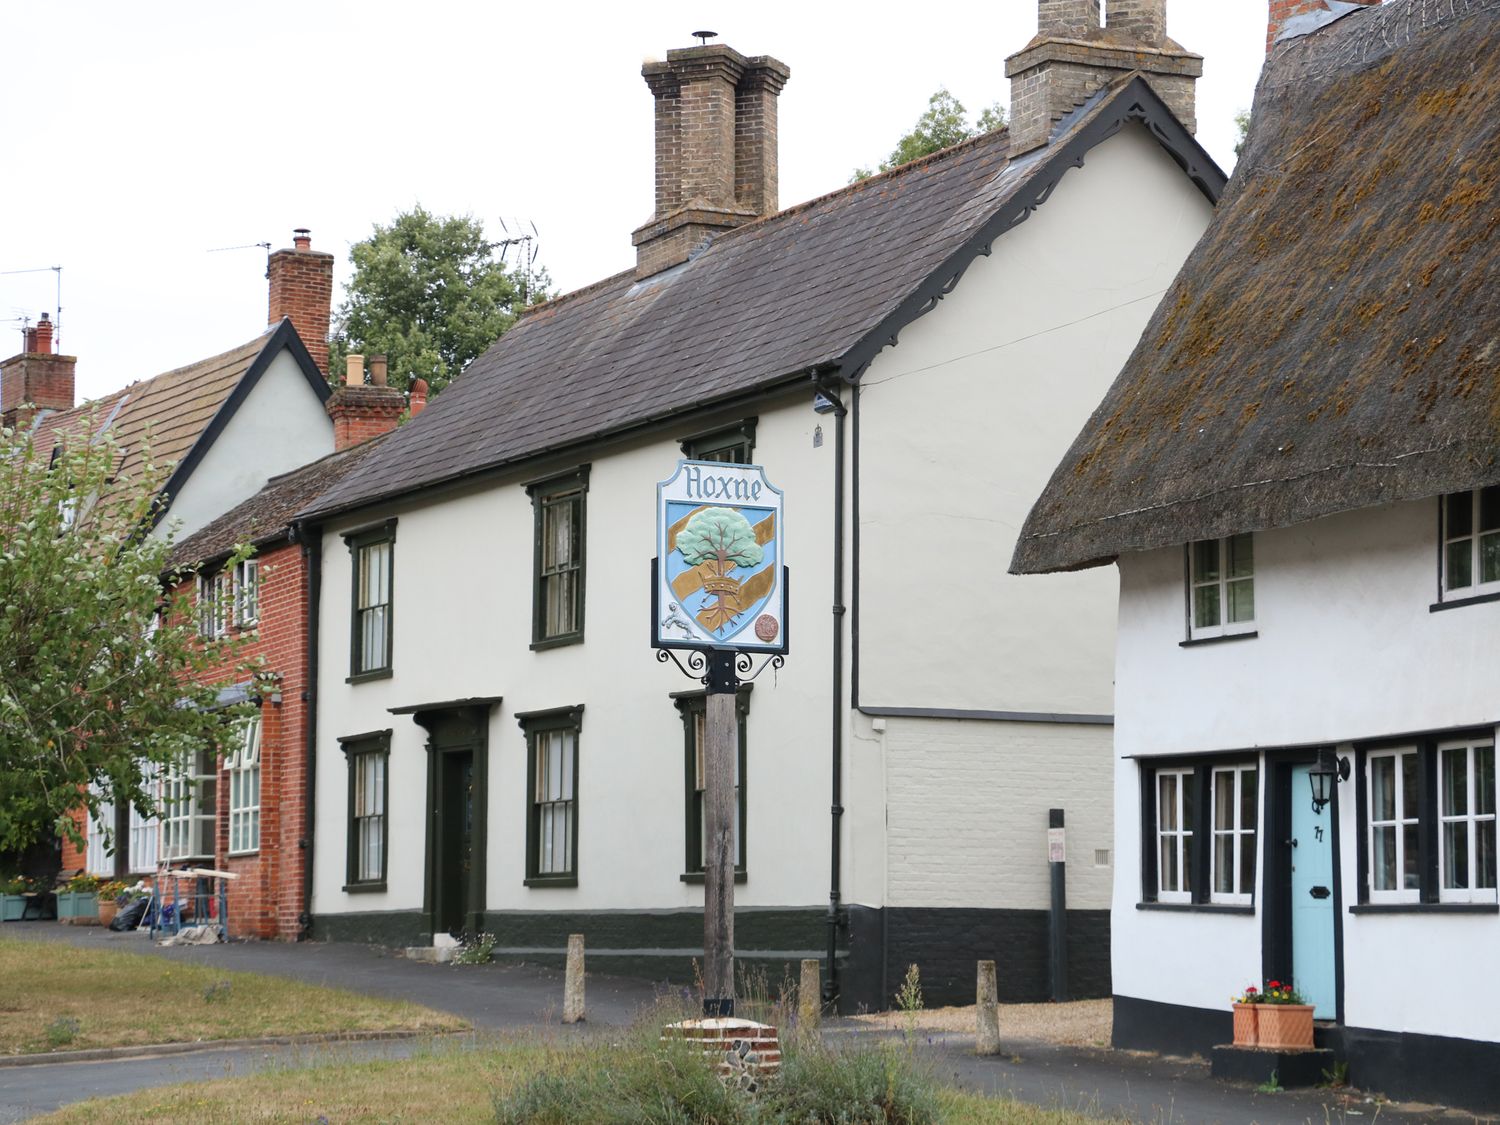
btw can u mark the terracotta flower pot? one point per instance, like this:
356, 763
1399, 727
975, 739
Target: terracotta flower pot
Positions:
1285, 1027
107, 911
1246, 1032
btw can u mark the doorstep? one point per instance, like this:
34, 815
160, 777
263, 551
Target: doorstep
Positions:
1257, 1064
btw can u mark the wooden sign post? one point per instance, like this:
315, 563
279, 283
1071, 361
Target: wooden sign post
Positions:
718, 592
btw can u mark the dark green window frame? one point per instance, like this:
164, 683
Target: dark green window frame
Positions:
539, 811
733, 445
558, 582
361, 667
358, 749
693, 706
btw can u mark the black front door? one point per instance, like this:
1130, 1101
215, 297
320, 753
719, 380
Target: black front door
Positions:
455, 840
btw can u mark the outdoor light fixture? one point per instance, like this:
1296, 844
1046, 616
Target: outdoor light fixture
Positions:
1323, 776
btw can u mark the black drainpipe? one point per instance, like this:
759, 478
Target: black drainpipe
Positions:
831, 975
312, 555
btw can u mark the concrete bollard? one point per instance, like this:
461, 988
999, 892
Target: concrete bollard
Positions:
809, 996
987, 1011
573, 981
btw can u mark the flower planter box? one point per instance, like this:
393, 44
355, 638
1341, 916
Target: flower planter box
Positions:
1284, 1027
1246, 1026
78, 907
12, 907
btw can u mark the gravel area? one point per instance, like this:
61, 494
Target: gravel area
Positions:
1080, 1023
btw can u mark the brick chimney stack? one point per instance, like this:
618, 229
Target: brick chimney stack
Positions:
1074, 56
361, 410
36, 379
715, 149
302, 290
1284, 11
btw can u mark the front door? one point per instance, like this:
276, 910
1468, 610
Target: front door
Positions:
1312, 912
455, 845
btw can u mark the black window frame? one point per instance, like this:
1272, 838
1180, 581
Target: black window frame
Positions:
691, 704
1429, 889
738, 441
1200, 886
357, 542
533, 723
356, 746
571, 487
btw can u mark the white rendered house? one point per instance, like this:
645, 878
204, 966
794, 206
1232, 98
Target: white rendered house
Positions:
498, 750
1296, 474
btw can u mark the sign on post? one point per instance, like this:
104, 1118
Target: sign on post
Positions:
720, 581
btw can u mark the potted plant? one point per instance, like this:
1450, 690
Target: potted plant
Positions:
78, 900
13, 891
112, 895
1281, 1019
1246, 1026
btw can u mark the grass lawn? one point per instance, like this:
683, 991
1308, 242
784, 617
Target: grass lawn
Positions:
448, 1084
59, 997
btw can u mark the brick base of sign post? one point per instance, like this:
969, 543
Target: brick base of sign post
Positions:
748, 1053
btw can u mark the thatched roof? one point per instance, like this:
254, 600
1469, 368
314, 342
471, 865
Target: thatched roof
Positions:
1333, 342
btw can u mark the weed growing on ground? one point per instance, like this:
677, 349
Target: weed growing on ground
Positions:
1337, 1075
219, 990
475, 951
63, 1030
1271, 1085
909, 1001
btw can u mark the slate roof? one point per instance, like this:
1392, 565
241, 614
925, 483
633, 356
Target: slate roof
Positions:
818, 286
266, 517
1333, 342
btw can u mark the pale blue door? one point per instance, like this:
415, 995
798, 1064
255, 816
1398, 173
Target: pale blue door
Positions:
1312, 899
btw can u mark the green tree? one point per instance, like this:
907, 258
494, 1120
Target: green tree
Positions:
430, 293
101, 669
946, 123
723, 538
1241, 123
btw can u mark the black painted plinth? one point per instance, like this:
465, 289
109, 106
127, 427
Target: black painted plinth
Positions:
1291, 1068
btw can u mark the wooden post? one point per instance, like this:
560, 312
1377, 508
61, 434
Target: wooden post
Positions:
809, 996
987, 1013
573, 1008
721, 746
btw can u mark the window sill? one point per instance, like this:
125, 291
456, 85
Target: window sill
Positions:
1425, 908
540, 881
1196, 907
366, 677
1456, 603
1194, 642
557, 642
364, 888
251, 854
695, 878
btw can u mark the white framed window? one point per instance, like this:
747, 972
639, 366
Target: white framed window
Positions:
214, 604
1174, 835
371, 642
1235, 794
1471, 542
1466, 822
99, 855
243, 767
1394, 817
188, 804
247, 593
1221, 587
145, 831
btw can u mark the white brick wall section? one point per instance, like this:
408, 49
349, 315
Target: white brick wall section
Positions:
967, 812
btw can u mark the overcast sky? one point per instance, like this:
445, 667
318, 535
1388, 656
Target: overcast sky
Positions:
141, 137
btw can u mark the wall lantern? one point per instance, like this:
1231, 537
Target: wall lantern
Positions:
1323, 776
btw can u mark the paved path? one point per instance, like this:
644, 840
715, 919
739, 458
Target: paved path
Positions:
1118, 1085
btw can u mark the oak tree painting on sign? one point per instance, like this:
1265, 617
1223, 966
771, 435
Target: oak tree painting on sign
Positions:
720, 578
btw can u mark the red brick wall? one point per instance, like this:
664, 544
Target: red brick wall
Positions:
362, 412
302, 289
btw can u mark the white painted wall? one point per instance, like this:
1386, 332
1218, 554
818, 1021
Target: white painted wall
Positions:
463, 588
968, 805
279, 427
1347, 650
963, 422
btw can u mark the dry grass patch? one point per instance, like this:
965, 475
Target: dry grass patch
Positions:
453, 1084
1078, 1023
60, 997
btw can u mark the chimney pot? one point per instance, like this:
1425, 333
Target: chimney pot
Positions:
418, 396
302, 238
43, 336
354, 370
377, 371
36, 379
